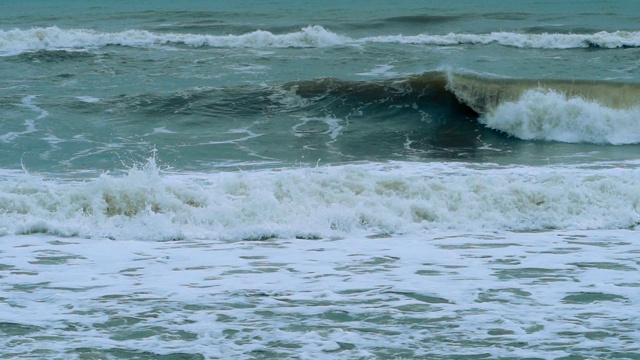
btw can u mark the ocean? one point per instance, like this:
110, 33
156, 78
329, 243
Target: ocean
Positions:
319, 180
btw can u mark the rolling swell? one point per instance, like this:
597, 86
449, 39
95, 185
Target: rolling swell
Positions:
432, 115
424, 108
599, 112
485, 95
428, 93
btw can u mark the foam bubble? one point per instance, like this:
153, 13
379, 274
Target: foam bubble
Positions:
551, 115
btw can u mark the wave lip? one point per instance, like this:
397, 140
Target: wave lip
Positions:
557, 110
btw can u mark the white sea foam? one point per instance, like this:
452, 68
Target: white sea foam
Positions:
326, 202
16, 41
88, 99
601, 39
550, 115
499, 295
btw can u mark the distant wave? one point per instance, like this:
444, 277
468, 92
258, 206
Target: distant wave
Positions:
16, 41
603, 39
13, 42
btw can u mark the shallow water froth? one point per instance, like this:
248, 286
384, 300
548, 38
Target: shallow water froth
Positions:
440, 296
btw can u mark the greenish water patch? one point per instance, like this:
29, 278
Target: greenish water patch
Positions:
507, 261
428, 272
126, 354
604, 266
572, 357
539, 274
55, 258
500, 332
153, 331
29, 288
118, 322
131, 271
591, 297
423, 298
415, 308
341, 347
5, 267
374, 264
591, 335
468, 246
337, 316
15, 329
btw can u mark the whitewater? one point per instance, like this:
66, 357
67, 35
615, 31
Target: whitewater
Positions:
323, 202
278, 180
16, 41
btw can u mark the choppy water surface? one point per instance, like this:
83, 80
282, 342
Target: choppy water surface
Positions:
440, 296
264, 180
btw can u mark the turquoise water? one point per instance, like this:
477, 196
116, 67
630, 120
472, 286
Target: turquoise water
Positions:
304, 180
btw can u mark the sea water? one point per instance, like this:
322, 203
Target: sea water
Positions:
306, 180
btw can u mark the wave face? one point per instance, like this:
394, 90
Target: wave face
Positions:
566, 111
551, 110
325, 202
549, 115
16, 41
555, 110
431, 116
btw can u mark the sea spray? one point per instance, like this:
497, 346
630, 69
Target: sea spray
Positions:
394, 198
550, 115
602, 39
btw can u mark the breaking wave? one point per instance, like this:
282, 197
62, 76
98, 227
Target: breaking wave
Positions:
324, 202
599, 112
13, 42
17, 41
567, 111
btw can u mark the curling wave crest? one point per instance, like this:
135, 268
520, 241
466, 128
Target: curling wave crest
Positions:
549, 115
